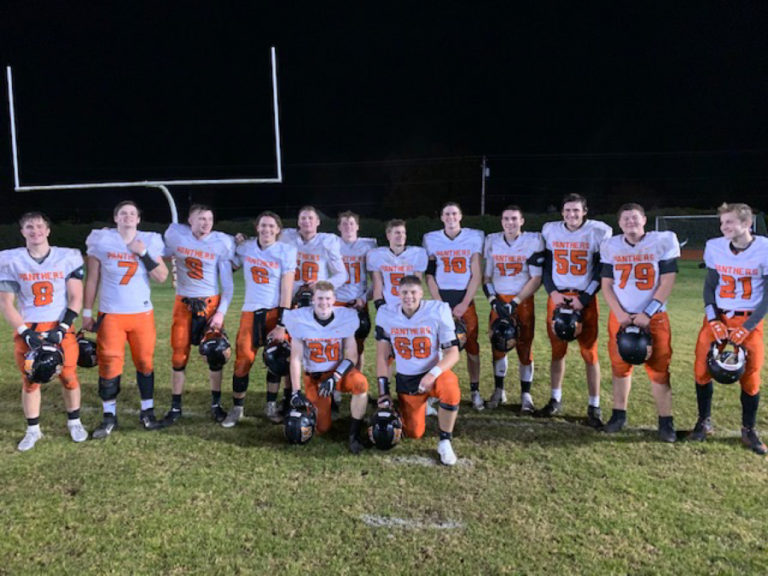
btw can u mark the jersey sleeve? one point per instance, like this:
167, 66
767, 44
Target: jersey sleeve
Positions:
446, 331
155, 245
288, 261
74, 263
293, 323
420, 260
709, 261
478, 241
382, 320
670, 247
338, 272
372, 260
92, 242
488, 255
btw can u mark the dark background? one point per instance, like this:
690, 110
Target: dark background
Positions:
388, 108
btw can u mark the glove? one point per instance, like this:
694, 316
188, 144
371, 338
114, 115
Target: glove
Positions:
738, 335
504, 309
719, 330
56, 335
298, 400
31, 338
327, 386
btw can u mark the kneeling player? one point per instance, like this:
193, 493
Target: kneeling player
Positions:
417, 331
638, 273
323, 338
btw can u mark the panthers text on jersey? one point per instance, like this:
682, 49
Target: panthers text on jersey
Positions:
41, 288
317, 259
510, 265
323, 344
416, 340
124, 283
453, 256
573, 252
635, 269
263, 270
393, 268
741, 275
353, 254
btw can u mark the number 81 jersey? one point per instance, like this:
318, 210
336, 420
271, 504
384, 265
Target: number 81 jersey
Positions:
416, 340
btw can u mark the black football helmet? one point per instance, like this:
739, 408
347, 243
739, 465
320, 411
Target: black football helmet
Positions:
461, 333
504, 333
386, 429
303, 297
88, 356
277, 356
726, 362
43, 363
566, 323
299, 424
216, 348
365, 325
635, 344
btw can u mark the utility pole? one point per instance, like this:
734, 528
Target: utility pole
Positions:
486, 174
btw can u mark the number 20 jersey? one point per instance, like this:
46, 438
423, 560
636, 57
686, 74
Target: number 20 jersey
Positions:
263, 269
416, 340
636, 268
511, 264
124, 287
323, 345
741, 283
42, 287
573, 251
197, 260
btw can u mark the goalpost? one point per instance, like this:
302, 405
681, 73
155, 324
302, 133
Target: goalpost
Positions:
161, 185
693, 231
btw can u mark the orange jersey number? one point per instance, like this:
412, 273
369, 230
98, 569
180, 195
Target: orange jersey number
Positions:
259, 275
728, 286
307, 272
320, 352
645, 275
130, 269
194, 268
509, 268
577, 265
394, 279
43, 293
456, 265
353, 272
419, 347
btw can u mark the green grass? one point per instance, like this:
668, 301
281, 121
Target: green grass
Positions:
528, 496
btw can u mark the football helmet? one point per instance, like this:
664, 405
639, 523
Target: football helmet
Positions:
566, 323
726, 362
461, 333
277, 356
365, 325
299, 424
504, 334
43, 363
635, 344
216, 348
88, 356
303, 297
386, 428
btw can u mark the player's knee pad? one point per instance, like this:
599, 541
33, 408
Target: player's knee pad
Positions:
449, 407
273, 378
240, 384
146, 383
109, 388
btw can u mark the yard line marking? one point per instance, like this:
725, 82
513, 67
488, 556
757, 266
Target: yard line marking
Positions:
425, 461
376, 521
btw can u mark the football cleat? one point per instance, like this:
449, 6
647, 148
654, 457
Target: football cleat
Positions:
216, 348
477, 401
77, 431
277, 356
355, 446
218, 413
551, 408
726, 362
635, 344
667, 431
615, 424
447, 455
30, 439
299, 424
233, 417
566, 323
504, 334
526, 404
386, 429
701, 430
273, 413
498, 398
751, 440
172, 416
148, 421
87, 357
108, 424
594, 417
43, 363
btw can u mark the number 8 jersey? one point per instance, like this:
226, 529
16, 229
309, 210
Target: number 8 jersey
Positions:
741, 282
416, 340
197, 260
573, 252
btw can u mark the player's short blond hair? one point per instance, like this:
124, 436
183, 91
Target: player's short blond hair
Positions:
325, 286
743, 211
629, 206
349, 214
394, 223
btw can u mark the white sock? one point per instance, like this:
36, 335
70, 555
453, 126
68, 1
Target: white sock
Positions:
557, 394
500, 367
147, 404
110, 406
526, 372
594, 401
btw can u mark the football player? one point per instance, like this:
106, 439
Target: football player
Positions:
638, 272
203, 259
121, 262
513, 262
735, 301
422, 336
323, 341
48, 282
268, 270
354, 292
572, 278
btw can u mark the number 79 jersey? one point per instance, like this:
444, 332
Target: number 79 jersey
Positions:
197, 260
416, 340
263, 270
635, 269
573, 252
323, 345
124, 287
741, 283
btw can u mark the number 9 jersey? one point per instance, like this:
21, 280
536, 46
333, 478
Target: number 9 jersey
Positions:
416, 340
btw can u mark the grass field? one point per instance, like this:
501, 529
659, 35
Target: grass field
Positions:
527, 497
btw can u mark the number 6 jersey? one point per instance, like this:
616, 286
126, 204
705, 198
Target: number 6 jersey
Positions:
263, 269
416, 340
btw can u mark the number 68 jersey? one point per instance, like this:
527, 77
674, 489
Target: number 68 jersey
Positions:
416, 340
323, 344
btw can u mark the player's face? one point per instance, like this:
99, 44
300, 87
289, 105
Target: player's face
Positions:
573, 214
632, 223
322, 303
410, 296
267, 230
35, 231
308, 222
349, 228
127, 217
396, 237
451, 217
201, 223
732, 227
512, 221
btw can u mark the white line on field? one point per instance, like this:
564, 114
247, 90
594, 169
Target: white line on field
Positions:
424, 461
394, 522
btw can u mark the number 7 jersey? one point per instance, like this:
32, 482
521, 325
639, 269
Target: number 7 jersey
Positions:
573, 252
741, 282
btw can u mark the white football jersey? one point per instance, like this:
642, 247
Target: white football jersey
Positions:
636, 268
573, 252
323, 345
318, 259
393, 268
353, 254
741, 275
197, 260
416, 340
41, 289
263, 270
510, 265
453, 256
124, 284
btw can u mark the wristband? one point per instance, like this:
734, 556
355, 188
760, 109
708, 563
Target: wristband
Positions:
87, 313
653, 307
516, 300
344, 367
149, 263
21, 329
490, 291
69, 317
378, 303
280, 310
436, 371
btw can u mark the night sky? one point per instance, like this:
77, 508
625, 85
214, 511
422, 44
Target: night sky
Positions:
388, 108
